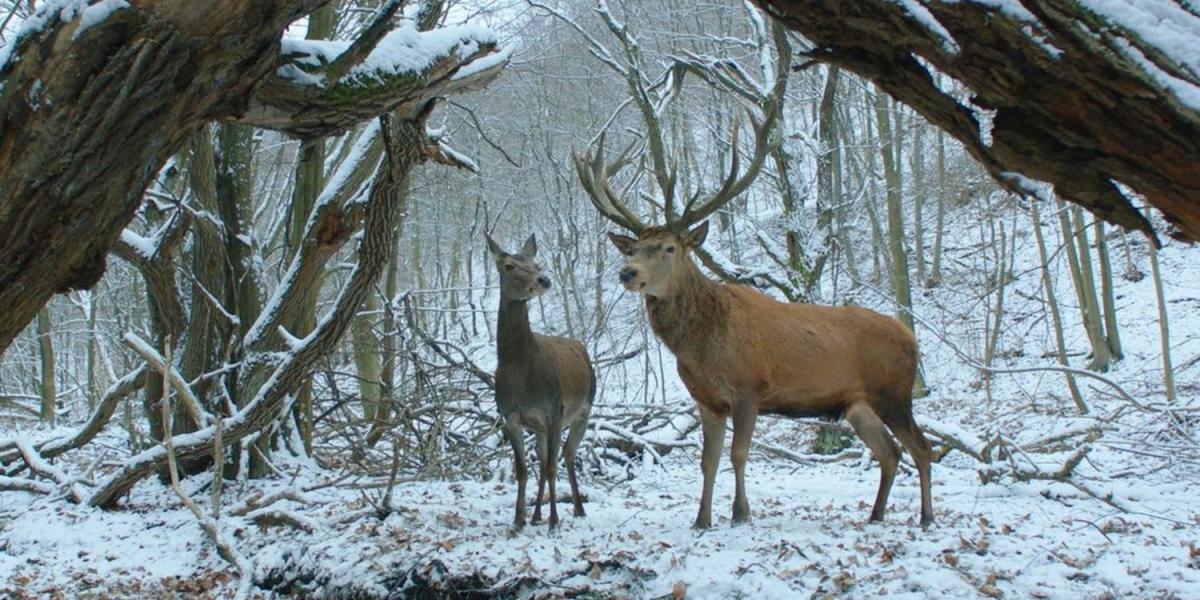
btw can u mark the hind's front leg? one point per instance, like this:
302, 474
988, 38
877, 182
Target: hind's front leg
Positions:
516, 437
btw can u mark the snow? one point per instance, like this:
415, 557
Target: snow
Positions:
808, 536
402, 51
47, 13
930, 22
1167, 26
1187, 92
96, 14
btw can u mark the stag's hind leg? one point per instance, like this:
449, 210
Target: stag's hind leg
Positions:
574, 436
918, 447
874, 434
745, 415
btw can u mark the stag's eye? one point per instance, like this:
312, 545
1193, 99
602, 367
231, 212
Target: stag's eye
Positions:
509, 267
670, 249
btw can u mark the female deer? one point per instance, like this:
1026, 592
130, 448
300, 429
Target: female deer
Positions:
543, 383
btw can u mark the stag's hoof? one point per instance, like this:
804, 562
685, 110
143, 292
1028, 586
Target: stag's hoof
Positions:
741, 512
579, 511
702, 523
537, 518
926, 520
518, 524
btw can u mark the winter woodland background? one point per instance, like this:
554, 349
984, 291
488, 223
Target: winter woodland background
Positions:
1061, 355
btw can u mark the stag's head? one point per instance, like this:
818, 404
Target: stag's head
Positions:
521, 278
656, 258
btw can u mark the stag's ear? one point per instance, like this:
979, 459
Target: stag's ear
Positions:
529, 250
622, 242
696, 236
493, 247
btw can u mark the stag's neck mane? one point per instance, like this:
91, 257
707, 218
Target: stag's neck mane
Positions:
514, 337
691, 313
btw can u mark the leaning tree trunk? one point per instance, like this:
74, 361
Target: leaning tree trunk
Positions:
86, 122
405, 145
89, 116
1082, 96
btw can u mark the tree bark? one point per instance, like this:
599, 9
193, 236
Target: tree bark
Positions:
1077, 95
86, 122
405, 151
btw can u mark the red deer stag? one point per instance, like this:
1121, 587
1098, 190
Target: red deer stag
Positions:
741, 353
543, 383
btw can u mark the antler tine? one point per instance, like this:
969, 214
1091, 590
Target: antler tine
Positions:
733, 184
593, 176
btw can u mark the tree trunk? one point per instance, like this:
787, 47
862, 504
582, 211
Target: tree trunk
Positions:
1106, 294
1055, 317
1163, 327
935, 267
895, 218
49, 412
1077, 91
87, 121
405, 149
1087, 309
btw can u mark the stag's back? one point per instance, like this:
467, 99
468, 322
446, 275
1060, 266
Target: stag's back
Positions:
804, 359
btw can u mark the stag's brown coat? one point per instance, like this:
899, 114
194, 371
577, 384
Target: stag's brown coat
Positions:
741, 353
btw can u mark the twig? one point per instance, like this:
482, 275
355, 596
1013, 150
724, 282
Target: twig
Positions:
209, 526
163, 365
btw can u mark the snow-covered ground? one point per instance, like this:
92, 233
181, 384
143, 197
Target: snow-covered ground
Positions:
808, 537
1125, 524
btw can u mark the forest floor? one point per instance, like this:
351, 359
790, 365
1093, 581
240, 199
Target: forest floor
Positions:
808, 538
1123, 520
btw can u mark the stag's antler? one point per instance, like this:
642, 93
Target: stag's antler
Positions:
764, 102
594, 176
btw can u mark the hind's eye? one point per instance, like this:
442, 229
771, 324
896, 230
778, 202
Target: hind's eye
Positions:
670, 249
509, 267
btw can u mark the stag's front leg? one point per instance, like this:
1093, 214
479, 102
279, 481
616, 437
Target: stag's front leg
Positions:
516, 437
744, 416
713, 427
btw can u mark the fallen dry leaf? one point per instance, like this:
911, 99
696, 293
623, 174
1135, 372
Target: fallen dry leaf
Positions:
679, 590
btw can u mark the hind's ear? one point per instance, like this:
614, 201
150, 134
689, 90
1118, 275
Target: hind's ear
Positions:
493, 247
529, 250
622, 242
696, 236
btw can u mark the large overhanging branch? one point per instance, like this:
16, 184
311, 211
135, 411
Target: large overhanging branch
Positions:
1083, 96
317, 92
88, 114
